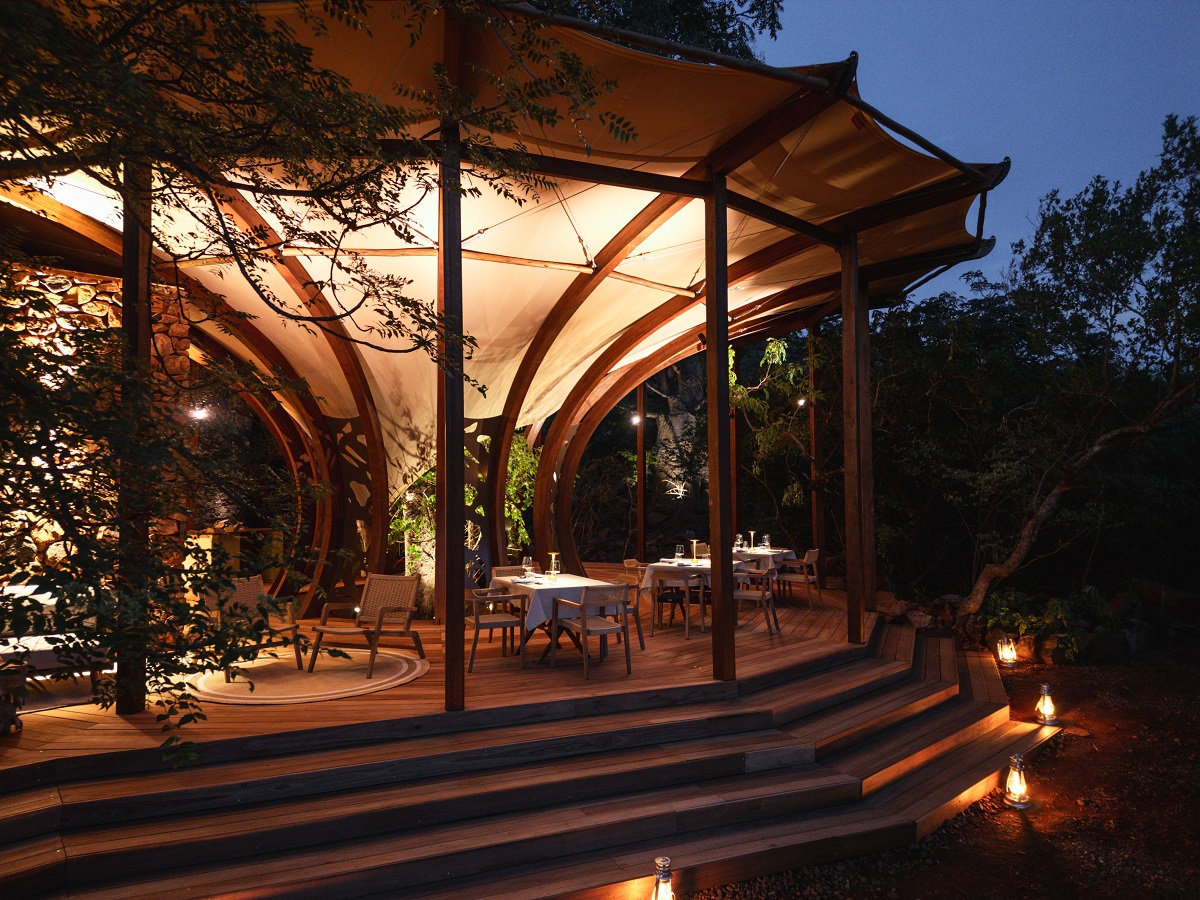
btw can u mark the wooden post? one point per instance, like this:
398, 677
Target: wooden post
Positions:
733, 461
856, 419
135, 325
716, 359
451, 475
816, 492
641, 472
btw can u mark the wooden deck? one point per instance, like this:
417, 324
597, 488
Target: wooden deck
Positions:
545, 786
668, 663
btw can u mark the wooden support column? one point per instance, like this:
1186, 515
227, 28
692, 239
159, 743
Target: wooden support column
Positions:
716, 359
856, 419
641, 472
135, 521
450, 559
816, 489
733, 471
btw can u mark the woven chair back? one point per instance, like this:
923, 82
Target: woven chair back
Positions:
605, 596
507, 572
388, 590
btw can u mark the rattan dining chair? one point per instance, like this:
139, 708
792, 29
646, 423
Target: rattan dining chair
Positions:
757, 586
594, 618
491, 610
802, 571
635, 571
674, 589
386, 609
278, 629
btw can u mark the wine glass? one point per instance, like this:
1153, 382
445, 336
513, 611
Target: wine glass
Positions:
766, 542
679, 551
738, 542
527, 565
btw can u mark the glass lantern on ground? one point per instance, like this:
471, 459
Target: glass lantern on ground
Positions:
1006, 651
662, 880
1016, 793
1046, 714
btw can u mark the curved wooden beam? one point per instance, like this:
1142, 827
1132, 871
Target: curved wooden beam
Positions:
246, 332
302, 284
800, 107
947, 191
618, 384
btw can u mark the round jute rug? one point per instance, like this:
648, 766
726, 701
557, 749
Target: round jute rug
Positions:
278, 681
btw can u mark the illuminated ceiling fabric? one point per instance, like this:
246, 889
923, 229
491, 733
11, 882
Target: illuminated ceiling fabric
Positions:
820, 170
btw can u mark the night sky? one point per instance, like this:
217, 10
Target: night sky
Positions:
1068, 90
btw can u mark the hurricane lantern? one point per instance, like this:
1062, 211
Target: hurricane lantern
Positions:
694, 543
1046, 714
1015, 793
662, 879
1006, 650
554, 569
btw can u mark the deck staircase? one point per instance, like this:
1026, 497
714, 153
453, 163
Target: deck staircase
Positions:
856, 751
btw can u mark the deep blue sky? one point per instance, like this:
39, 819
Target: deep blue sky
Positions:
1069, 90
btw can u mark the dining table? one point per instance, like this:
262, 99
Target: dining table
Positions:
685, 567
763, 557
538, 593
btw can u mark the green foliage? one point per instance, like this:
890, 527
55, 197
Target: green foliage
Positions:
99, 468
518, 490
1071, 618
227, 101
778, 455
1035, 403
725, 26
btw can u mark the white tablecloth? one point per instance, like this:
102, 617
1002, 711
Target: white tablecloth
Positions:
702, 568
541, 593
763, 559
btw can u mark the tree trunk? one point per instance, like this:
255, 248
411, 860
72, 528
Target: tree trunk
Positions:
1165, 412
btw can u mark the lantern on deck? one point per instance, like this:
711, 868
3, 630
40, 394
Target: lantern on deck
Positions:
662, 880
1015, 793
1046, 714
1006, 650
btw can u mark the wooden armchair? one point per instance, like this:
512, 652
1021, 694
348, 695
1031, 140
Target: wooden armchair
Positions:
758, 586
674, 589
386, 609
594, 609
242, 602
491, 610
802, 571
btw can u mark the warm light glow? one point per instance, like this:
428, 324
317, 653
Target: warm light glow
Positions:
1015, 790
199, 413
662, 879
802, 402
694, 542
1046, 713
1006, 650
636, 419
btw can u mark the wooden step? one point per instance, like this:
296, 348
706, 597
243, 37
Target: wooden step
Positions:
907, 747
287, 825
841, 728
425, 855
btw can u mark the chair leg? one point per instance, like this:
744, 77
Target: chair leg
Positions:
554, 643
637, 620
312, 660
299, 654
583, 637
474, 645
628, 656
371, 661
417, 644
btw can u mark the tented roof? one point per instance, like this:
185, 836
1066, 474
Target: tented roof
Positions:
808, 153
